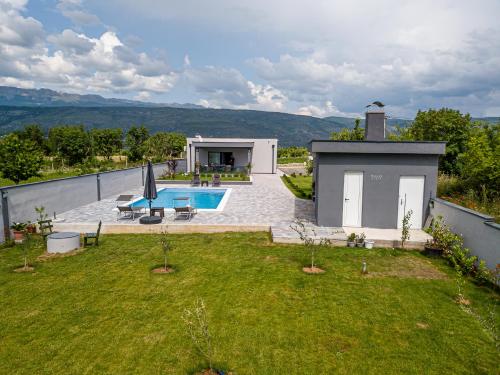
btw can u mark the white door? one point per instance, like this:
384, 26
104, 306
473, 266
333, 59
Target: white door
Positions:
353, 194
411, 197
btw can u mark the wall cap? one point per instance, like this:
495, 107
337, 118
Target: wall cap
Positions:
10, 187
485, 217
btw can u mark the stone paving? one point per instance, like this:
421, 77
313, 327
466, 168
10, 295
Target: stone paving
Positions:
266, 202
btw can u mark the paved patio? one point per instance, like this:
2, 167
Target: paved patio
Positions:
267, 202
265, 205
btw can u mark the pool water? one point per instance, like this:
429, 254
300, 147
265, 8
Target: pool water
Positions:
199, 198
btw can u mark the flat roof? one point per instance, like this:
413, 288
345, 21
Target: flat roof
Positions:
222, 144
208, 139
378, 147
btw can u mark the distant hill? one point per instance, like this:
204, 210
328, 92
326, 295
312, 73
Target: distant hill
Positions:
14, 96
289, 129
19, 107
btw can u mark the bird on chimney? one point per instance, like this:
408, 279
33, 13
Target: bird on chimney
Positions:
377, 103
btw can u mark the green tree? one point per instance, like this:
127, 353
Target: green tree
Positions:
35, 134
355, 134
19, 159
136, 136
163, 146
443, 125
106, 142
69, 142
479, 162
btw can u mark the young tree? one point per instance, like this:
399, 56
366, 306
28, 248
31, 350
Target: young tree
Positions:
70, 142
19, 159
134, 140
197, 324
166, 246
106, 142
405, 228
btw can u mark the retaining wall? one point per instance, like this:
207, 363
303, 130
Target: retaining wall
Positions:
480, 233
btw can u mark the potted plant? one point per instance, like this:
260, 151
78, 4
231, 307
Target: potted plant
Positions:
351, 240
18, 229
360, 240
31, 227
369, 244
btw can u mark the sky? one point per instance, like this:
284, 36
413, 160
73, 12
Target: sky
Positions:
310, 57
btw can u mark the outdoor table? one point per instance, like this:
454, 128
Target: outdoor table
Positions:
63, 242
159, 210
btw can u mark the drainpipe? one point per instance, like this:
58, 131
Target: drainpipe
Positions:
5, 215
189, 167
272, 165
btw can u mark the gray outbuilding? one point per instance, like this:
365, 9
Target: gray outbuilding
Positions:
375, 182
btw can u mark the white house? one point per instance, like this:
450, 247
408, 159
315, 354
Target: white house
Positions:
232, 154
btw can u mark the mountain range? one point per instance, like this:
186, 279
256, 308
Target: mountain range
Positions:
19, 107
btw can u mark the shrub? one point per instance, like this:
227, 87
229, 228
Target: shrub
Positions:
457, 255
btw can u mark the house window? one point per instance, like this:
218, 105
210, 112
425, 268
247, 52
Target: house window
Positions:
213, 158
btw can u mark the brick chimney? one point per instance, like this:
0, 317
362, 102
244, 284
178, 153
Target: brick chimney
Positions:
375, 125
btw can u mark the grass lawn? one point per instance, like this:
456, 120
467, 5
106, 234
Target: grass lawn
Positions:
300, 186
300, 159
103, 311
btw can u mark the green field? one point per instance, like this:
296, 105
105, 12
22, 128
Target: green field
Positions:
103, 311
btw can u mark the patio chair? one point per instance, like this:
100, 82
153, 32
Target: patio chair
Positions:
196, 180
186, 212
45, 227
124, 198
129, 212
216, 180
92, 236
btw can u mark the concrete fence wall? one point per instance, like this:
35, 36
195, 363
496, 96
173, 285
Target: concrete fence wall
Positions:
17, 203
480, 233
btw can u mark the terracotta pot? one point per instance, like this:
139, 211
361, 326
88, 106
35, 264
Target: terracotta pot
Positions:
31, 228
18, 235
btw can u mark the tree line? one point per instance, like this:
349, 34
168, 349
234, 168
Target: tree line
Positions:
472, 147
22, 153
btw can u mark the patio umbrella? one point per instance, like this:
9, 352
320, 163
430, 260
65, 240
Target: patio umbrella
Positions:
150, 193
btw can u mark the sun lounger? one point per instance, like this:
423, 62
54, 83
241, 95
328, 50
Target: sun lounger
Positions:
216, 180
130, 212
124, 198
184, 212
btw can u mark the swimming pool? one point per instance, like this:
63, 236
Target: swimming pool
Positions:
204, 199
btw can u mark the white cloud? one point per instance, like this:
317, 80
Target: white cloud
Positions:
351, 52
227, 88
76, 62
73, 10
408, 54
16, 30
328, 109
